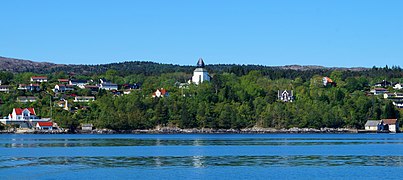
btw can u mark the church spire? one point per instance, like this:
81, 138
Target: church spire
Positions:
200, 63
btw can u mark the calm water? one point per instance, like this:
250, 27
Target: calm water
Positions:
274, 156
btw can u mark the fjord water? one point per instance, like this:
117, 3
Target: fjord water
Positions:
198, 156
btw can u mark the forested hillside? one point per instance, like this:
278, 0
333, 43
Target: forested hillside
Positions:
238, 96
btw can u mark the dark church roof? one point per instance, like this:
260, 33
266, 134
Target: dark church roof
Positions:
200, 63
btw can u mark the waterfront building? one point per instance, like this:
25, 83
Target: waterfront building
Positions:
384, 125
44, 125
23, 118
86, 127
372, 125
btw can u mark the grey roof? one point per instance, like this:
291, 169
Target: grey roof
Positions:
200, 70
200, 63
372, 123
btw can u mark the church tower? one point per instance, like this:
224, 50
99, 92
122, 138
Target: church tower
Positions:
200, 74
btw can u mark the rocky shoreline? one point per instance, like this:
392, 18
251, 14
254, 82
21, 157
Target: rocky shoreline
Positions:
169, 130
223, 131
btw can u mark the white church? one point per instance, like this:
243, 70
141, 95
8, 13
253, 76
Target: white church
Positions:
200, 74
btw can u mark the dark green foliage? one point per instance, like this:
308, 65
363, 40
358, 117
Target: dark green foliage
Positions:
237, 97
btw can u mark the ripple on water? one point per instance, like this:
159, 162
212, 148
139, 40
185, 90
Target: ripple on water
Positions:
203, 161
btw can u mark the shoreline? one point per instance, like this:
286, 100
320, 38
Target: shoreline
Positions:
167, 130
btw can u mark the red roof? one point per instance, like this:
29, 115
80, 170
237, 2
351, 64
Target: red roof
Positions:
39, 77
389, 121
163, 91
31, 110
18, 111
63, 80
45, 123
328, 80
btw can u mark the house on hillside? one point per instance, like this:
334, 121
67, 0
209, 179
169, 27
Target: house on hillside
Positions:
78, 83
26, 99
384, 84
22, 114
398, 104
379, 91
84, 98
397, 86
39, 79
285, 96
63, 81
4, 88
92, 88
107, 85
394, 95
160, 93
127, 88
327, 81
63, 88
200, 74
29, 87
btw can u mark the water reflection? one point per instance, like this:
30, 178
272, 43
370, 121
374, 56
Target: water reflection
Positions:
39, 143
205, 161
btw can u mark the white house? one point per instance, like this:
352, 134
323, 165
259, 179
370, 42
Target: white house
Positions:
84, 98
22, 114
26, 99
285, 96
327, 81
372, 125
39, 79
200, 74
86, 127
29, 87
44, 125
160, 93
391, 125
4, 88
63, 88
397, 86
378, 91
108, 86
80, 83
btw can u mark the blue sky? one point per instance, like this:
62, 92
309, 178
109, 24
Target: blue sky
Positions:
341, 33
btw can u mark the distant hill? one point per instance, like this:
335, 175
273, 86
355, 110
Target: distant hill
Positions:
151, 68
